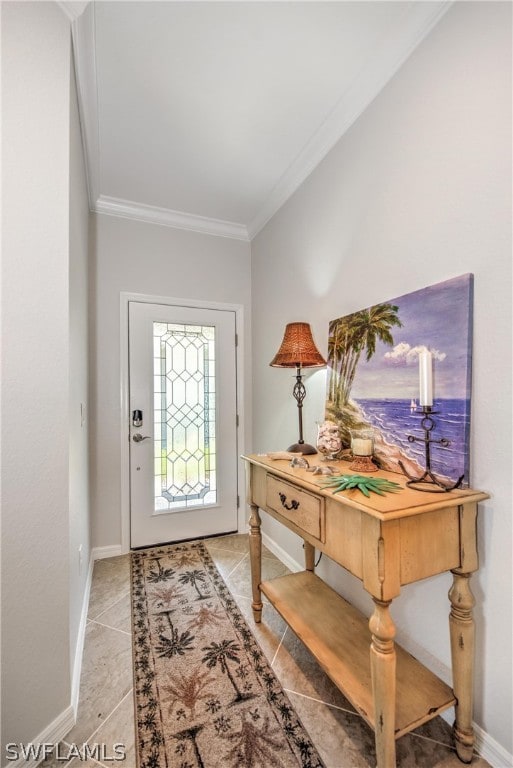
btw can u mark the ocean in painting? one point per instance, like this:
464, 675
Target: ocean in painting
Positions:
396, 419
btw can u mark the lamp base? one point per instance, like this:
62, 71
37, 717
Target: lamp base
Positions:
303, 448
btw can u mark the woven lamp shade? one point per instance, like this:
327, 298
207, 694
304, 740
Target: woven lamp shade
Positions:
298, 349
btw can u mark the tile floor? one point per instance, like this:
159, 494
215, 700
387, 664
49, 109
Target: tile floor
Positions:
105, 713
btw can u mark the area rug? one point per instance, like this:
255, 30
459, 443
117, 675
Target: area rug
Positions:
205, 695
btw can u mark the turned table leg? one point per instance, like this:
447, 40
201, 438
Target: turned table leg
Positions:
383, 664
255, 554
309, 556
461, 626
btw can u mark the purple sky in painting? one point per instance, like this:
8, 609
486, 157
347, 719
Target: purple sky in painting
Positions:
436, 317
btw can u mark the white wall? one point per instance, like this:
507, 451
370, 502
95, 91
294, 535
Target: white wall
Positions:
35, 363
137, 257
416, 192
79, 523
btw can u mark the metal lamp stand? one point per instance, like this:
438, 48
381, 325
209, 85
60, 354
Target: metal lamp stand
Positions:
299, 393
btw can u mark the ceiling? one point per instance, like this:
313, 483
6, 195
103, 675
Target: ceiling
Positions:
208, 115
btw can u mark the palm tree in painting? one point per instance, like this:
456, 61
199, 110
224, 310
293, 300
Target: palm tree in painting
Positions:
349, 337
192, 578
221, 653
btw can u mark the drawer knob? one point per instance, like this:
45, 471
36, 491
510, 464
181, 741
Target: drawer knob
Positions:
293, 504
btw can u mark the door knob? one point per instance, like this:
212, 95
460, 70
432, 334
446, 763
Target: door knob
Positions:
138, 438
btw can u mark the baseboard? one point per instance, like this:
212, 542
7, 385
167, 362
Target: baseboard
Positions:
437, 667
485, 745
62, 725
79, 649
52, 734
281, 554
491, 750
113, 550
98, 553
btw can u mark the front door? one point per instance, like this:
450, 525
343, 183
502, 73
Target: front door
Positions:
183, 423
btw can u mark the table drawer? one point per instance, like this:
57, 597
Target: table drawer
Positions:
298, 506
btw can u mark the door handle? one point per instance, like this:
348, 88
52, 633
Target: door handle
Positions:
138, 438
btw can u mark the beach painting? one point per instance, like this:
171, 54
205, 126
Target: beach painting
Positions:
373, 376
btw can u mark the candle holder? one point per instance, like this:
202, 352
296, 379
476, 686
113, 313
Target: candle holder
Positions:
362, 447
428, 478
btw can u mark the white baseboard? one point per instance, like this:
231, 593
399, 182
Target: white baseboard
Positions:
52, 734
491, 750
437, 667
485, 745
79, 649
281, 554
97, 553
63, 723
100, 553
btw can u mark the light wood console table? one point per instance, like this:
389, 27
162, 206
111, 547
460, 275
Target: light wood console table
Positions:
386, 542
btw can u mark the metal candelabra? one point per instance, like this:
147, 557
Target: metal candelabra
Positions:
428, 478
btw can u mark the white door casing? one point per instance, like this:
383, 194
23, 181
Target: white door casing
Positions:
176, 514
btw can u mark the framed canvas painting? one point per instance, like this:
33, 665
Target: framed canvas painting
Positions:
373, 376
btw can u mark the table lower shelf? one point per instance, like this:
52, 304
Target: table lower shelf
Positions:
338, 636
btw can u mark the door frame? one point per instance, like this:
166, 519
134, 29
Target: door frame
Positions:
238, 309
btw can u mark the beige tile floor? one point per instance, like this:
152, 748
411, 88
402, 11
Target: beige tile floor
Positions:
105, 713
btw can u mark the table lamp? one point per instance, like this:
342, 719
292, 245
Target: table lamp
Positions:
298, 351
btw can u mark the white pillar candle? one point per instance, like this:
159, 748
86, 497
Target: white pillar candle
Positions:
361, 446
426, 378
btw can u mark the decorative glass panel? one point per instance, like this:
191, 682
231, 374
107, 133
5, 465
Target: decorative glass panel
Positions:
185, 408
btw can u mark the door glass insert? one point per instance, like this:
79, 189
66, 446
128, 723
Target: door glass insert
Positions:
185, 411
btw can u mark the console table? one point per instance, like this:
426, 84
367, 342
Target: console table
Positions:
386, 542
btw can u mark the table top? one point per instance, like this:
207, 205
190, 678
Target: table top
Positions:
404, 503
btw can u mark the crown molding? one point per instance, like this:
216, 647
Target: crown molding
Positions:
415, 24
417, 20
127, 209
84, 48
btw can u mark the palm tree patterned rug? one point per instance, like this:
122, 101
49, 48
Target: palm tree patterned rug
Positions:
205, 695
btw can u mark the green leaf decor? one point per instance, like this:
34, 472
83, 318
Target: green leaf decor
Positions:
366, 485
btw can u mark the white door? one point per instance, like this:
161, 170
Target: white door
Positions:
183, 423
